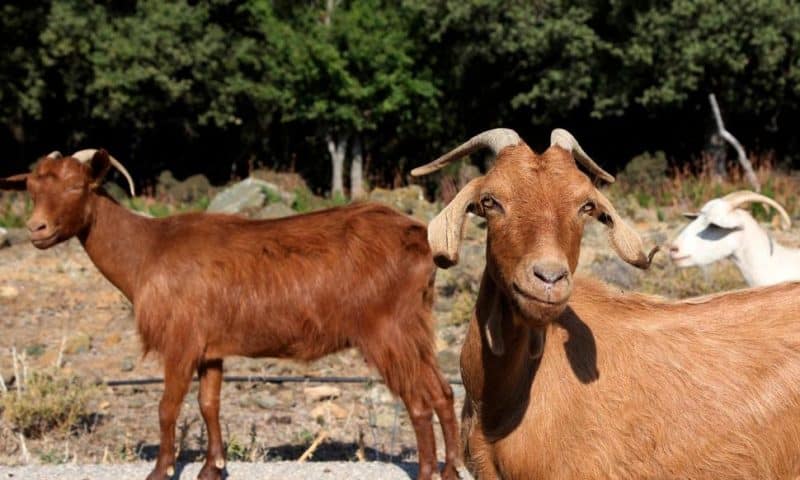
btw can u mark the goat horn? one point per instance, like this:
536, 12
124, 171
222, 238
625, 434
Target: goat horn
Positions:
737, 199
84, 156
55, 155
565, 140
495, 139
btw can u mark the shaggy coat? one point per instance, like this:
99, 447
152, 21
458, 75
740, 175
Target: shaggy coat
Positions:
207, 286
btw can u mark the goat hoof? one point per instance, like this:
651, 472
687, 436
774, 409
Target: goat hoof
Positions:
450, 472
210, 472
161, 474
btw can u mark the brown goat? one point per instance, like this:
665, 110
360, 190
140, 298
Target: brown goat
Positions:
207, 286
566, 378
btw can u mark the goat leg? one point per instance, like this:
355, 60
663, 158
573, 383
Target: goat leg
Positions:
422, 421
176, 383
441, 395
210, 374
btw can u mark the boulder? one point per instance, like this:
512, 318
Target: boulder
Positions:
409, 200
274, 210
247, 196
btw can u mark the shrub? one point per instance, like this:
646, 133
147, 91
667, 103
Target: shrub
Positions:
47, 400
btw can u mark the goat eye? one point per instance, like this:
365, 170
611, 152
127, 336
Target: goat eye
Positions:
588, 208
487, 202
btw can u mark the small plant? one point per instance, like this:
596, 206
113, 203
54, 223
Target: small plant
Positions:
45, 401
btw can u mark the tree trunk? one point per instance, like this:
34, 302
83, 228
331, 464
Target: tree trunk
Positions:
337, 151
356, 170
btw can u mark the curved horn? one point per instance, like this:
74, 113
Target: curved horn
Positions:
565, 140
495, 139
737, 199
84, 156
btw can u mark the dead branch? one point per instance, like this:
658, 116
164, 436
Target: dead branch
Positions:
728, 136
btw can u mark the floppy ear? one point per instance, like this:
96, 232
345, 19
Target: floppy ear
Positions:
14, 182
624, 240
444, 231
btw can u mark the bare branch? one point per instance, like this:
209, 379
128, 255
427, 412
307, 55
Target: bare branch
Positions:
728, 136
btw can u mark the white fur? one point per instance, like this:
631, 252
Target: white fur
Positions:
720, 231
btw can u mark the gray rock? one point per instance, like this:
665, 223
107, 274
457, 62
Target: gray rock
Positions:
265, 403
275, 210
248, 195
127, 364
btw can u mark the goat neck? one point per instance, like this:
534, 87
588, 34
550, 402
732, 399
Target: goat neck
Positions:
117, 241
761, 259
503, 397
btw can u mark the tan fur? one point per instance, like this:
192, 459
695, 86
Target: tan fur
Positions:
595, 383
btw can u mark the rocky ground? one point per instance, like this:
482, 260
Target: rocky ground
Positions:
56, 308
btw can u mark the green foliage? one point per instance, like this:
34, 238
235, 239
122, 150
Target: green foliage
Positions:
208, 84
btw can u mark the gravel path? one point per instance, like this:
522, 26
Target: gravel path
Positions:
236, 470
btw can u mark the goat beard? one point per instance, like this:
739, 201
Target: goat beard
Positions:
533, 314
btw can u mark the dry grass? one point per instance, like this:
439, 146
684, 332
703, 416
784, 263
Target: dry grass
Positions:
648, 182
45, 400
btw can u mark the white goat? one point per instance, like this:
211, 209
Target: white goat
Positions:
721, 229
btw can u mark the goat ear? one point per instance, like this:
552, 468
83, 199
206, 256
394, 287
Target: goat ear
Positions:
99, 166
624, 240
14, 182
444, 231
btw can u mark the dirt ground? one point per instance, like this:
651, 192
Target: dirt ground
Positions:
54, 297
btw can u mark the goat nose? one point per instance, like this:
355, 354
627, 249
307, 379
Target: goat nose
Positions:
550, 273
36, 225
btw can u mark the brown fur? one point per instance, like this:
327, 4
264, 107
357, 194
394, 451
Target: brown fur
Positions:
602, 384
207, 286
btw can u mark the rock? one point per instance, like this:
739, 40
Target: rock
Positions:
127, 364
328, 409
8, 292
409, 200
4, 238
192, 189
321, 392
265, 403
286, 397
79, 343
275, 210
248, 195
286, 181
